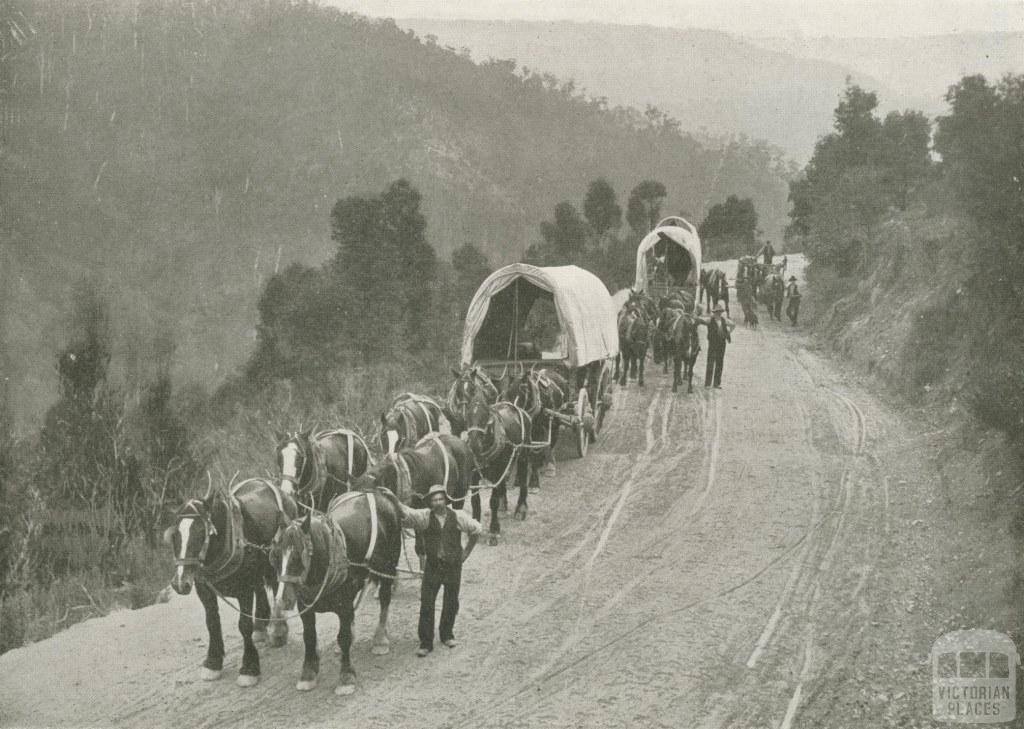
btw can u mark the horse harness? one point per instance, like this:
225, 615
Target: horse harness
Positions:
404, 477
235, 544
407, 417
337, 552
319, 465
501, 440
351, 438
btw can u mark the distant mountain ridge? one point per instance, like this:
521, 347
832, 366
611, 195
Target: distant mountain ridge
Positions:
918, 70
782, 90
711, 81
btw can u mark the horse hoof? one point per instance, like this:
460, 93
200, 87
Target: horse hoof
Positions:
337, 649
208, 674
306, 685
521, 515
260, 636
278, 640
247, 681
492, 541
380, 650
345, 689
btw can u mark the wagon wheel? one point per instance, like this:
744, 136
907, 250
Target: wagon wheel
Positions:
584, 422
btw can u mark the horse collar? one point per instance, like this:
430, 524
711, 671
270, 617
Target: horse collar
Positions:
233, 548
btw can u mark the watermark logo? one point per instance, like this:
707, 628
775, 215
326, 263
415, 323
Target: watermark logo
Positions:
974, 677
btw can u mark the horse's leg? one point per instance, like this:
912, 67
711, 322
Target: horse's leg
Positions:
249, 675
689, 375
534, 480
677, 362
642, 358
381, 643
616, 376
625, 369
495, 526
259, 631
475, 501
311, 659
346, 613
278, 629
214, 663
525, 471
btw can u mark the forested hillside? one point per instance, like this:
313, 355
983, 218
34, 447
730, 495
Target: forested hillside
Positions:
177, 154
917, 264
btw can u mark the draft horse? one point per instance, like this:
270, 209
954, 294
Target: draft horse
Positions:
318, 467
324, 561
676, 301
499, 438
539, 392
682, 344
472, 386
714, 286
437, 459
408, 418
774, 293
220, 545
634, 337
745, 295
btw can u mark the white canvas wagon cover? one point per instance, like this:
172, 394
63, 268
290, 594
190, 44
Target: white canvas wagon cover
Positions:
672, 230
586, 314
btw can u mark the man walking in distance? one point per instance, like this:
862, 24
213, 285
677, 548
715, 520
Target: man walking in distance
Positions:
793, 294
442, 529
767, 252
719, 329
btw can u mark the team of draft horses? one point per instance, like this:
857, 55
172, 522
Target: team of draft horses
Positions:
332, 522
669, 326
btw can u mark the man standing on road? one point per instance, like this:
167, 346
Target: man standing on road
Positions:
442, 529
768, 252
719, 329
793, 294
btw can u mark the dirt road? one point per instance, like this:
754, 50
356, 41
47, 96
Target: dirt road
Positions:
733, 558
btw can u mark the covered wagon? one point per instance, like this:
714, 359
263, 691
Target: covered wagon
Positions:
668, 258
558, 318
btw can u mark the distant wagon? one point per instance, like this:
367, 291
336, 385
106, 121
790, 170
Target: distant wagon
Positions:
668, 258
560, 319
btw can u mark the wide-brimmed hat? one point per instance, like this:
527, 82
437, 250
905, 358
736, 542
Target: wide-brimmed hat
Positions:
718, 307
792, 278
437, 488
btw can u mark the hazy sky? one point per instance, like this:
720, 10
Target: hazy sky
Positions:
747, 17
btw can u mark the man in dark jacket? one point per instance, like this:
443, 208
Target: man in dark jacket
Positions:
442, 529
793, 294
719, 335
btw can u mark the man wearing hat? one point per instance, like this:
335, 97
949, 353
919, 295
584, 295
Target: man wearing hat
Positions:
793, 294
442, 529
719, 329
